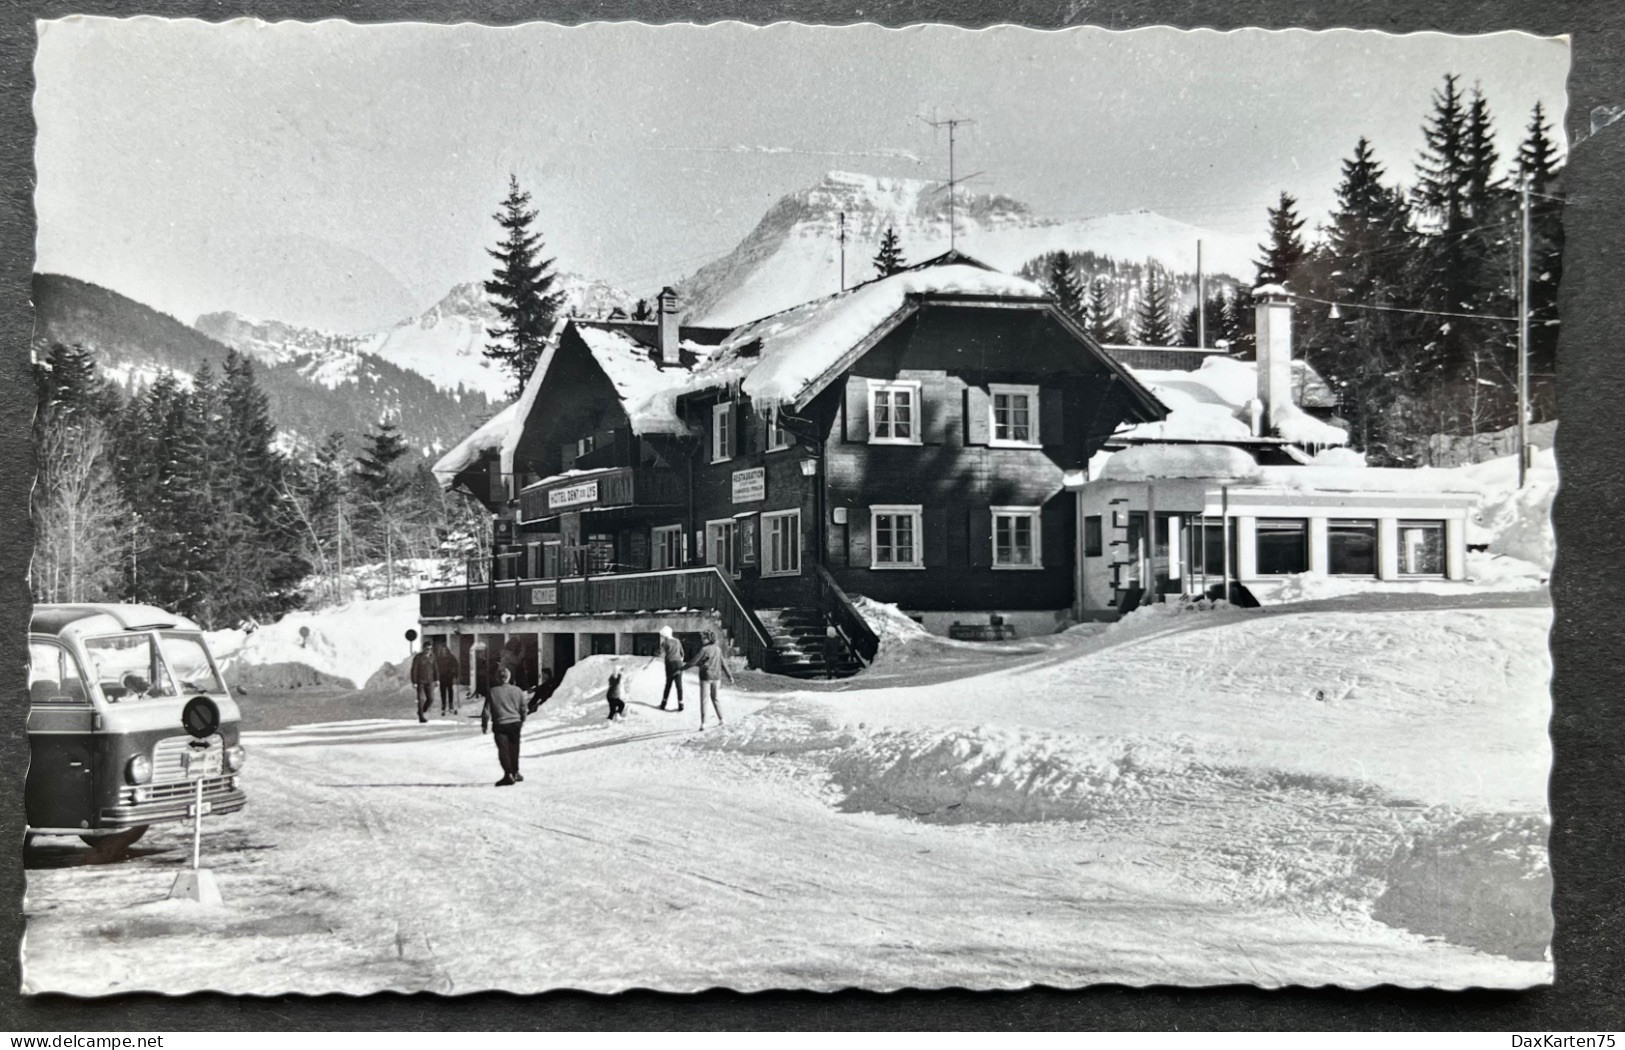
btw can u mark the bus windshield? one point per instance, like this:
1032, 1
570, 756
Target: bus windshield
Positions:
128, 667
188, 660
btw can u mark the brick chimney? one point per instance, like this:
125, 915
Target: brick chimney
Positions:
1273, 325
666, 320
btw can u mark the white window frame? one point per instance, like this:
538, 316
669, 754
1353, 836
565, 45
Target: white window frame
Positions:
775, 432
586, 444
1034, 440
1035, 516
724, 441
657, 544
1444, 547
731, 569
916, 416
914, 511
769, 519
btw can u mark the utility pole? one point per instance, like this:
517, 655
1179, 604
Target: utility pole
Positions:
843, 250
1523, 344
1201, 301
952, 124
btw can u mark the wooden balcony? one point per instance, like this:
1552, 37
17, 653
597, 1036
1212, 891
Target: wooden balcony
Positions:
605, 488
665, 590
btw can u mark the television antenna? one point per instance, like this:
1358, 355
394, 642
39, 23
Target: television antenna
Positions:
952, 124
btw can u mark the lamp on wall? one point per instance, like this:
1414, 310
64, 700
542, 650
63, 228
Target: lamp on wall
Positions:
809, 467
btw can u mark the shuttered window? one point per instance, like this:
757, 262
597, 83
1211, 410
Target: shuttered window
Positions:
895, 538
1017, 541
1014, 419
894, 413
722, 432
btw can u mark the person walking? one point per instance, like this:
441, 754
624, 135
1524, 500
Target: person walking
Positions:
423, 678
504, 716
445, 665
671, 654
712, 665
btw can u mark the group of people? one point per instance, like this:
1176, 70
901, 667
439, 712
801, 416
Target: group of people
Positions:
506, 705
434, 665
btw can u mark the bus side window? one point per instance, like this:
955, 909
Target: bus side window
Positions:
53, 676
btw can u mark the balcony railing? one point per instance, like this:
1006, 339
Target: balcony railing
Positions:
600, 489
700, 587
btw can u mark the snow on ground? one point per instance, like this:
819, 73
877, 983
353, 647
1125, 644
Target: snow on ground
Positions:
1261, 796
345, 645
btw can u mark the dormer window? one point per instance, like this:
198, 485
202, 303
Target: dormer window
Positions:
1014, 422
894, 413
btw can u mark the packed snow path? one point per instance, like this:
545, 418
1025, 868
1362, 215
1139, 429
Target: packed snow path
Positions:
1150, 829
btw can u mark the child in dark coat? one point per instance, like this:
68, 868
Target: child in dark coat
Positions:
616, 698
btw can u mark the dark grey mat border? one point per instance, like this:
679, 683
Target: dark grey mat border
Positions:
1588, 729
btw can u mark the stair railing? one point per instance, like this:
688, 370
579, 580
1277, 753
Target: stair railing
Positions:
859, 636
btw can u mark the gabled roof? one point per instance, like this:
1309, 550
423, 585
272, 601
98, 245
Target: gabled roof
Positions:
789, 357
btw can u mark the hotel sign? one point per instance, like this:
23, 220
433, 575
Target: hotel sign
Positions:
570, 495
750, 486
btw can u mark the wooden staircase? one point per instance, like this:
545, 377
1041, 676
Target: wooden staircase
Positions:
799, 645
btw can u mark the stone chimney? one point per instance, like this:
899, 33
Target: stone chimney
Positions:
666, 320
1273, 321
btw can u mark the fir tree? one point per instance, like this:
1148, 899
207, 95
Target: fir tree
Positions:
1539, 168
1285, 253
889, 259
1100, 314
520, 290
1063, 287
1153, 323
377, 479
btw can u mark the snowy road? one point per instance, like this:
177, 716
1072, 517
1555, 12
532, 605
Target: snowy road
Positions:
376, 854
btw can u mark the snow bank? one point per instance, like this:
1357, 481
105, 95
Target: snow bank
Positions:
1180, 461
346, 645
1513, 522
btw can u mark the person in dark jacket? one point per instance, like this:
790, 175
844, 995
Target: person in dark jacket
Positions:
504, 715
671, 654
545, 688
446, 668
423, 678
712, 666
616, 696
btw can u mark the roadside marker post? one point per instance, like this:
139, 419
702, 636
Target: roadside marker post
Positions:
200, 718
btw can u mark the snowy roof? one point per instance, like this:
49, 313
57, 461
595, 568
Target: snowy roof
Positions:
467, 452
1234, 465
1213, 403
782, 357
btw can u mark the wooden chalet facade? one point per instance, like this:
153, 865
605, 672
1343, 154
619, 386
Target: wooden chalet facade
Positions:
911, 440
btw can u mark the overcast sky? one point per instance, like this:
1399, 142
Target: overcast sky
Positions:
344, 176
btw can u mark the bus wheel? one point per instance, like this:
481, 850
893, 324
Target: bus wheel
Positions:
116, 843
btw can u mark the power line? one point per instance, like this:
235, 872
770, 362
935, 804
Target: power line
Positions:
1397, 309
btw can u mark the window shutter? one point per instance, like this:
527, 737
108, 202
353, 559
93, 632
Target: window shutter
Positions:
934, 523
977, 409
936, 409
744, 429
981, 536
857, 537
1049, 416
857, 410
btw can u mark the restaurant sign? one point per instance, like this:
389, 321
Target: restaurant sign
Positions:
750, 486
570, 495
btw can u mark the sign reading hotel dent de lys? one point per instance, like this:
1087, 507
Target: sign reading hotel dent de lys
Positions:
750, 486
570, 495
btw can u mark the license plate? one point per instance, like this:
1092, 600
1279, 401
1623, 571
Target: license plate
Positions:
192, 811
201, 763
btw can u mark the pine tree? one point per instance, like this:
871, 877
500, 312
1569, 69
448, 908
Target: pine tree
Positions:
381, 491
1285, 253
1100, 314
1365, 353
1153, 323
1063, 287
1538, 166
520, 290
889, 259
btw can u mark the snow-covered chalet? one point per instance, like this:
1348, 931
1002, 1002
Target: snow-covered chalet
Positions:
932, 439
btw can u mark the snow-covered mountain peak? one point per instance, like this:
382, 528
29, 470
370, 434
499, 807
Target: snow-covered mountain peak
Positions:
795, 252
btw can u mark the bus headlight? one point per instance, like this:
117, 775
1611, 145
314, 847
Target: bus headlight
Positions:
138, 770
235, 757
